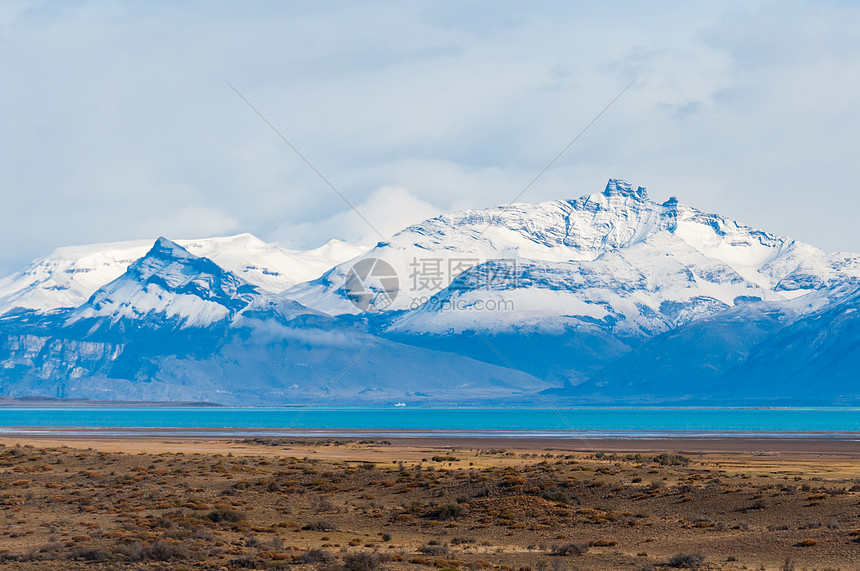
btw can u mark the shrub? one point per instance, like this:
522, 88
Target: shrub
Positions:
450, 511
759, 504
321, 525
131, 551
434, 549
556, 496
89, 554
245, 562
225, 515
167, 551
687, 561
570, 549
362, 562
667, 459
316, 556
161, 550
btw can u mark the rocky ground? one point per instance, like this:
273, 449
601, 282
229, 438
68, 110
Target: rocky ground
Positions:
371, 505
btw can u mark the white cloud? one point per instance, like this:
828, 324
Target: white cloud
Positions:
189, 222
119, 122
385, 212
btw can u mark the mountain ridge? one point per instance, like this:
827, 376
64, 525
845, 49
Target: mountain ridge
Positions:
585, 230
607, 298
69, 275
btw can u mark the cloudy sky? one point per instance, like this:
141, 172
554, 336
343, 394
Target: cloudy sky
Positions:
117, 122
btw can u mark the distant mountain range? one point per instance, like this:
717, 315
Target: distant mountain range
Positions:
68, 276
606, 299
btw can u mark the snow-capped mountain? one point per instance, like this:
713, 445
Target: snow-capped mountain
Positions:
176, 326
271, 268
610, 275
170, 284
613, 256
70, 275
608, 298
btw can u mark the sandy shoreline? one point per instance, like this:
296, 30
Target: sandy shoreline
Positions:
829, 443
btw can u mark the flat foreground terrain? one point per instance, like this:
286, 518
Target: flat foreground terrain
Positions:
469, 504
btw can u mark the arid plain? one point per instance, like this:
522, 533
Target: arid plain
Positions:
192, 503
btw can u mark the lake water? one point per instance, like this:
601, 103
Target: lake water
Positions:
525, 420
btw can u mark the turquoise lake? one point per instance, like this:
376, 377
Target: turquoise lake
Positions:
469, 419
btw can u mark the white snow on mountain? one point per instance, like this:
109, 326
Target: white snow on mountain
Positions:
609, 295
171, 284
70, 275
272, 268
615, 256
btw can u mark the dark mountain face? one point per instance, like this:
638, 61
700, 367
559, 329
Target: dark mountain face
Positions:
816, 357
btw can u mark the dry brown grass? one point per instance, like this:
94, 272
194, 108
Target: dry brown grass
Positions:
372, 506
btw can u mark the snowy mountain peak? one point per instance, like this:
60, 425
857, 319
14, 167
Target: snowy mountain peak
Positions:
615, 247
619, 187
169, 261
164, 248
68, 276
172, 284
